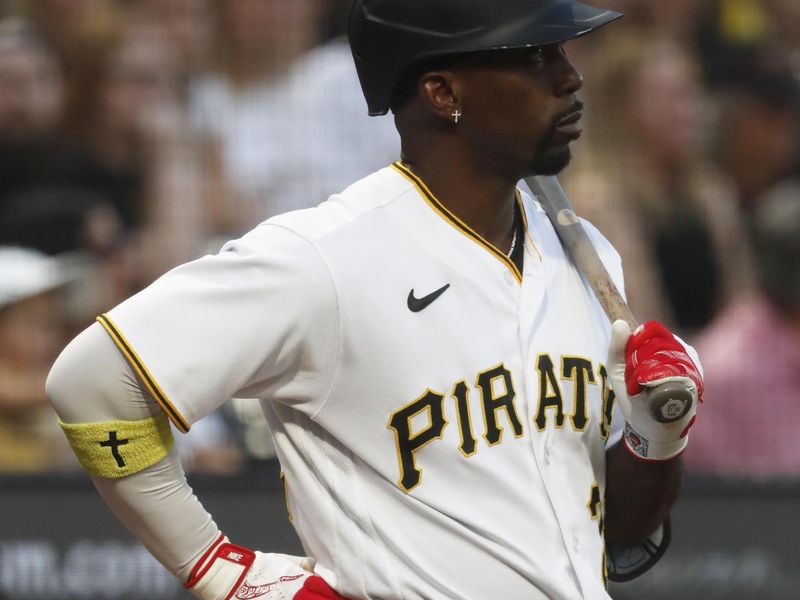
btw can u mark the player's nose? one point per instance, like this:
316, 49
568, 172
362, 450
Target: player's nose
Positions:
568, 79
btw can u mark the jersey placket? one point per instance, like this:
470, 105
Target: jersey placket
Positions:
534, 302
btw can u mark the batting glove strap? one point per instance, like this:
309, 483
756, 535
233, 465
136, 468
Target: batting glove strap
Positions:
648, 449
648, 358
230, 572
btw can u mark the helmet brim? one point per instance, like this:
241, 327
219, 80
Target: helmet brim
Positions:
566, 21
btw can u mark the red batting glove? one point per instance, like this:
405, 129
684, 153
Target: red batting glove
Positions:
230, 572
647, 358
653, 355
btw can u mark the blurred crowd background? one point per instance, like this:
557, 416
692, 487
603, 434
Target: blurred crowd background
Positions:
138, 134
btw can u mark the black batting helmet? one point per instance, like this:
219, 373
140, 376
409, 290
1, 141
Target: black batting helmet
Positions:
389, 36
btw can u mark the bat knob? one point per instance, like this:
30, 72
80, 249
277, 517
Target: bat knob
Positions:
669, 402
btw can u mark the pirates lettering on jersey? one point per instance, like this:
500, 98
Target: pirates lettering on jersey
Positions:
469, 444
580, 371
608, 402
408, 443
423, 420
596, 508
494, 399
549, 393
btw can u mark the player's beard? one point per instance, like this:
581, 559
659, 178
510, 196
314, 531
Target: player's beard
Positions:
551, 160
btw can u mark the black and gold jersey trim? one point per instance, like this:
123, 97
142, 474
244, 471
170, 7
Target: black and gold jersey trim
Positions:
152, 385
458, 223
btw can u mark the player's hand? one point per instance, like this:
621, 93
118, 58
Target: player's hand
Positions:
231, 572
647, 358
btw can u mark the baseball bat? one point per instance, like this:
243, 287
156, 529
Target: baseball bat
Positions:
669, 401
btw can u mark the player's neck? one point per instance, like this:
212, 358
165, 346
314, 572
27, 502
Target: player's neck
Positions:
483, 201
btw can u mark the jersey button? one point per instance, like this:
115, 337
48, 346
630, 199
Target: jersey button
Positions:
576, 543
547, 458
508, 277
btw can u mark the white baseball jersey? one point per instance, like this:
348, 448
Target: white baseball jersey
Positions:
440, 417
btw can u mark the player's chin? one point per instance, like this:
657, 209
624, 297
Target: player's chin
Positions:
552, 161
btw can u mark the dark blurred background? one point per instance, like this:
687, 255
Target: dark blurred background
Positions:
138, 134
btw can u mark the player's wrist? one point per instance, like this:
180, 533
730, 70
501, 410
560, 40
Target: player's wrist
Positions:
227, 571
651, 440
220, 571
651, 450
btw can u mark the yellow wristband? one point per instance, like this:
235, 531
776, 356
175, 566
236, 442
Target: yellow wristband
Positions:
120, 448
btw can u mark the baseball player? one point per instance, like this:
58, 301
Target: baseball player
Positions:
454, 416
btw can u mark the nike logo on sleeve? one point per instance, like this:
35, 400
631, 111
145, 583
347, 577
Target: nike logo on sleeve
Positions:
417, 304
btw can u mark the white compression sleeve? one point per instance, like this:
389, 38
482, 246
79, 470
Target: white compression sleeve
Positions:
159, 508
92, 382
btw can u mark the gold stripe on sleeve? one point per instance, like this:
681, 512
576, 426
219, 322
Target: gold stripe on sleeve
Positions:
289, 514
152, 385
115, 449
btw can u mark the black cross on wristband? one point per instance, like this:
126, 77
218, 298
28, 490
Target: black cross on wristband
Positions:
113, 443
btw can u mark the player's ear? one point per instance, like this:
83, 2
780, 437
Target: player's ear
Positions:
439, 93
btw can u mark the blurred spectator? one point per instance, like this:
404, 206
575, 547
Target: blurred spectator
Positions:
31, 86
261, 38
30, 339
731, 31
786, 24
759, 126
187, 28
53, 196
69, 25
115, 169
44, 199
59, 219
337, 142
673, 19
129, 117
747, 426
50, 195
294, 130
644, 179
257, 42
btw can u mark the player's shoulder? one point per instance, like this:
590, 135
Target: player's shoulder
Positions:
295, 241
605, 249
346, 208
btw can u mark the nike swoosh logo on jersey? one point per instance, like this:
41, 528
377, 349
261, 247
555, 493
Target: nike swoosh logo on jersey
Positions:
417, 304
